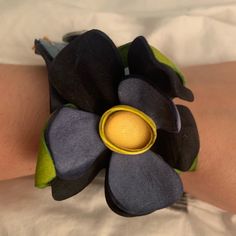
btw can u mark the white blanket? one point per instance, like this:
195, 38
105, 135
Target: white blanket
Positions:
189, 32
27, 211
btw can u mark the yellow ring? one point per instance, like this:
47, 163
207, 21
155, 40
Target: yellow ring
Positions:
128, 151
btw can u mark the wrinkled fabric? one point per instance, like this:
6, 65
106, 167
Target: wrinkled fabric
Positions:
26, 211
189, 32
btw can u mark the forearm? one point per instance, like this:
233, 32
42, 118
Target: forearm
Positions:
214, 109
24, 109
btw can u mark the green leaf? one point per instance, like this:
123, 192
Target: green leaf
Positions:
194, 165
192, 168
45, 170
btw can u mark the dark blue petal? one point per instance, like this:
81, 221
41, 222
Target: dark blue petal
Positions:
138, 93
74, 143
141, 184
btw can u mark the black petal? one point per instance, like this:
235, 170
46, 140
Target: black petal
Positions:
138, 93
49, 50
87, 72
179, 149
63, 189
72, 35
140, 184
142, 61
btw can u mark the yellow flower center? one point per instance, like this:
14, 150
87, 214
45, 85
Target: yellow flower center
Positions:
127, 130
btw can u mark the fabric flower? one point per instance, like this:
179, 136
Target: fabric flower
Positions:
112, 108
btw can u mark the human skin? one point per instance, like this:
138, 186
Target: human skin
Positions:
24, 109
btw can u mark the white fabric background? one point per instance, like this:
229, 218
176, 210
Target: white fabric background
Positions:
189, 32
27, 211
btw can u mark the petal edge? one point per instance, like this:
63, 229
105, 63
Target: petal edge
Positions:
142, 184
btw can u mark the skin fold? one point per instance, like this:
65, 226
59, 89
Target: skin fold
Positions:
24, 109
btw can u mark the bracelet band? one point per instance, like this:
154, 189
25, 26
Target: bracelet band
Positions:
113, 108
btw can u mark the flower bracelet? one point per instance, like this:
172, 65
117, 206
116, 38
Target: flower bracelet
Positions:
113, 108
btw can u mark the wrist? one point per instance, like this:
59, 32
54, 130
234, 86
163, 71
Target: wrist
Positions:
24, 108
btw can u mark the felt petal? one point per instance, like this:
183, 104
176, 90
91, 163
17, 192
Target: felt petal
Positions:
87, 72
179, 150
49, 50
142, 61
63, 189
72, 35
141, 184
74, 142
124, 49
140, 94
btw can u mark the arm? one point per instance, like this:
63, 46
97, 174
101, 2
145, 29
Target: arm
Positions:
214, 109
24, 109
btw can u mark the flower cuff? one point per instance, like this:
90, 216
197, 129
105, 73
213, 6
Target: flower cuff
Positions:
113, 108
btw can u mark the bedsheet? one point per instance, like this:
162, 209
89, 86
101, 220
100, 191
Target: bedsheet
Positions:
27, 211
189, 32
